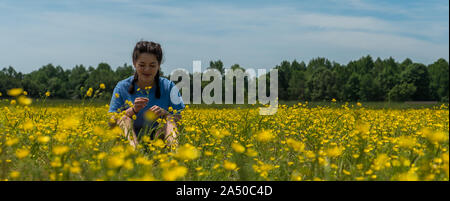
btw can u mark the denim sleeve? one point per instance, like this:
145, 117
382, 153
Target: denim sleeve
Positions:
176, 101
117, 100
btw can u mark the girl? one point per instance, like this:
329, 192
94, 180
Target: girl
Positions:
150, 95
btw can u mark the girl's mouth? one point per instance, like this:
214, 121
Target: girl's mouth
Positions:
147, 75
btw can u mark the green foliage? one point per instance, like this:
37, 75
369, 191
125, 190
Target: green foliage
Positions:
364, 79
297, 85
351, 88
284, 74
402, 92
64, 84
417, 74
218, 65
322, 85
439, 81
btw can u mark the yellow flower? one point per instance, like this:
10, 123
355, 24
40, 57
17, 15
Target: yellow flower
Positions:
238, 147
264, 136
56, 162
28, 125
295, 176
13, 102
70, 123
359, 104
14, 174
22, 153
334, 152
0, 93
296, 145
128, 165
435, 136
59, 150
47, 93
208, 153
75, 170
117, 95
406, 141
251, 152
115, 161
189, 129
43, 139
89, 92
187, 152
174, 173
159, 143
102, 86
229, 165
24, 100
143, 161
219, 133
15, 91
101, 155
12, 142
150, 116
333, 100
407, 176
363, 127
381, 161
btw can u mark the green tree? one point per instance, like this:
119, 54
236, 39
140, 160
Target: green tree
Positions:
342, 75
369, 89
102, 74
297, 85
417, 74
361, 66
352, 86
77, 79
295, 66
322, 85
439, 80
402, 92
9, 78
218, 65
405, 63
123, 72
284, 74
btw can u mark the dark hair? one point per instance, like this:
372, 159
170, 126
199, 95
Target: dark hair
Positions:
152, 48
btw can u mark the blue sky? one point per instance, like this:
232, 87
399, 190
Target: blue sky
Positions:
254, 34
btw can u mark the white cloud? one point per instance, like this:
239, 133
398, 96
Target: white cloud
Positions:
252, 37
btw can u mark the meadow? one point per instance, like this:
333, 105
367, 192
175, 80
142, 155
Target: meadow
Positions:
44, 139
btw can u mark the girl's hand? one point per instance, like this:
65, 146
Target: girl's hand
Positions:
139, 103
158, 111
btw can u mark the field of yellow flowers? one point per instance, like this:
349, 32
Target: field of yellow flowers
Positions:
74, 142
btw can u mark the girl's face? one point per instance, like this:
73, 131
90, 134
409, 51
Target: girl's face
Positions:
146, 67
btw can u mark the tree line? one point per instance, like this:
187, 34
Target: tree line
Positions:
364, 79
